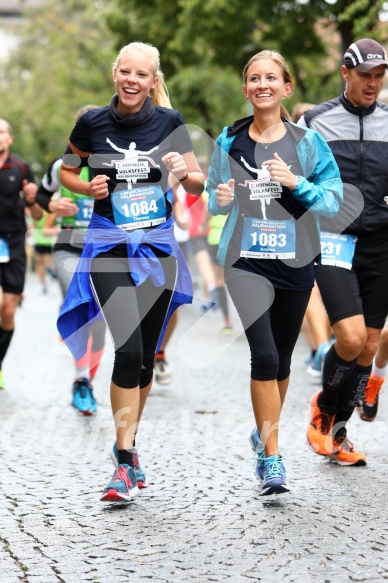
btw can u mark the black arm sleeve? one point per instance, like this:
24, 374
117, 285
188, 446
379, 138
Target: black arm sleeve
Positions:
43, 197
49, 185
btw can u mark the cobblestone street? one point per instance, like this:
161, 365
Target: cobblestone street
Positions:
201, 518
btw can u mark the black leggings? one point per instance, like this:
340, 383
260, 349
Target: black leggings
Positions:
272, 320
134, 315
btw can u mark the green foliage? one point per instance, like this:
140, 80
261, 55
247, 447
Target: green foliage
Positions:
63, 61
66, 50
363, 15
204, 45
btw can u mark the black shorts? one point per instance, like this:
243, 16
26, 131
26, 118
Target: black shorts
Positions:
363, 290
43, 249
13, 273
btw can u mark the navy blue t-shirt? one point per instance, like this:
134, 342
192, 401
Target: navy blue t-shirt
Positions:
287, 274
143, 145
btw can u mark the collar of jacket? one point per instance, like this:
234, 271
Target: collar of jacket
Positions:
360, 111
297, 132
239, 125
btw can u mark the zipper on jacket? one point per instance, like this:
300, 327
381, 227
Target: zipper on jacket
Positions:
361, 161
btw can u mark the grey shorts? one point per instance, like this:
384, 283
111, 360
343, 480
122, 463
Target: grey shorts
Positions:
65, 265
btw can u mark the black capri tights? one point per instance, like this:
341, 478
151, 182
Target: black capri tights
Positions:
271, 329
134, 315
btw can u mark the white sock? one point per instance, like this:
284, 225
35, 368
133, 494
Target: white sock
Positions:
82, 372
378, 372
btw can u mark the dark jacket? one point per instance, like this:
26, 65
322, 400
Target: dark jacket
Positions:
358, 138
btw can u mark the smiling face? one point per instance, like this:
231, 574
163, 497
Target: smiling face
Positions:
134, 78
265, 86
362, 89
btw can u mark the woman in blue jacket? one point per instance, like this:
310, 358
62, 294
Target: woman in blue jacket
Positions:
273, 180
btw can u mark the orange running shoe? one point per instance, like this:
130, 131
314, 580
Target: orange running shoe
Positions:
370, 400
319, 436
344, 454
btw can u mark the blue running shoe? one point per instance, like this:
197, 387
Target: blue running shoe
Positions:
308, 361
274, 481
83, 398
258, 447
140, 475
123, 485
316, 367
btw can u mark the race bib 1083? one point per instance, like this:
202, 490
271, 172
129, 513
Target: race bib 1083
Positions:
268, 239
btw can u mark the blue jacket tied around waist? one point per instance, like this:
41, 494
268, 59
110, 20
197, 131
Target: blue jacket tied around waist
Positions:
80, 310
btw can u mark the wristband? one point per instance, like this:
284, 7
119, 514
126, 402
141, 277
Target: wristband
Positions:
184, 177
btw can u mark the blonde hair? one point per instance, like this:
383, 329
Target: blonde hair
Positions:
279, 60
159, 94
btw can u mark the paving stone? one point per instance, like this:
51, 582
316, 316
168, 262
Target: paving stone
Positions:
202, 518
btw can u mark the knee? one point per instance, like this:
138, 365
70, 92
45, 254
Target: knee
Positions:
264, 366
384, 340
351, 343
127, 368
369, 349
147, 371
8, 315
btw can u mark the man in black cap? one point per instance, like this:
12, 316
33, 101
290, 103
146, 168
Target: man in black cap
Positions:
352, 273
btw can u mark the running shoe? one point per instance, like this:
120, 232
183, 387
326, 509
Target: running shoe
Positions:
123, 485
226, 330
308, 361
140, 475
344, 454
274, 480
316, 367
162, 370
83, 399
258, 447
370, 401
2, 381
319, 437
207, 305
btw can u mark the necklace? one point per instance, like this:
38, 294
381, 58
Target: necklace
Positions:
275, 129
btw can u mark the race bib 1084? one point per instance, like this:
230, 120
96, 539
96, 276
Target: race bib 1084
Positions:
139, 208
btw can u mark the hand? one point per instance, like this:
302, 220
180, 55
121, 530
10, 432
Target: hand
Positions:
175, 164
280, 172
225, 193
29, 189
98, 187
63, 207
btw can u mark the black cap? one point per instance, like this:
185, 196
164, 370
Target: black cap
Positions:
365, 54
